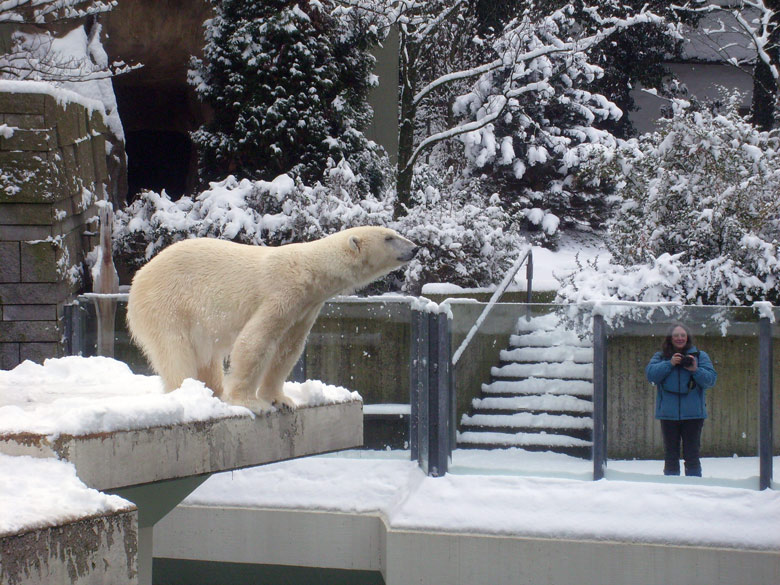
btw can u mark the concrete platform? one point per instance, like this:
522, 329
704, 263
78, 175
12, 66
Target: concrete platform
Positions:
108, 461
366, 542
156, 468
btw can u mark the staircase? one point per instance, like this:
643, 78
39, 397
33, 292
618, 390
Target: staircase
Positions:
540, 397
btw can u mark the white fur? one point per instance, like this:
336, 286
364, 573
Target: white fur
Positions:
202, 300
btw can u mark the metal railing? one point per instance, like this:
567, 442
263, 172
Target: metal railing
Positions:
496, 296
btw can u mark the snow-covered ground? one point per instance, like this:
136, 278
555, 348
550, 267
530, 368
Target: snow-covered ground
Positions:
547, 265
494, 499
78, 396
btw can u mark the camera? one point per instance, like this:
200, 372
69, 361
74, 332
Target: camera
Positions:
686, 361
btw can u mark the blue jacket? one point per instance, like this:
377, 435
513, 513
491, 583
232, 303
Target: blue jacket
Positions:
677, 398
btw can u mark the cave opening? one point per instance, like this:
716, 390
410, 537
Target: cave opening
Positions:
158, 160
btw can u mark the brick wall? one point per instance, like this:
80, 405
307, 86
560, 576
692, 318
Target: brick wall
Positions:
52, 171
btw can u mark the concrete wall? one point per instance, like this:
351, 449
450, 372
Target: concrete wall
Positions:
366, 542
52, 168
732, 405
99, 549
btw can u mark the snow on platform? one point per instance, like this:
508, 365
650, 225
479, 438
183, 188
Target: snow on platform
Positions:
95, 410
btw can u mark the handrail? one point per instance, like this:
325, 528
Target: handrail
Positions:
508, 278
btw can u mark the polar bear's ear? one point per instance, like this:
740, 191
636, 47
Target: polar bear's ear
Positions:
354, 243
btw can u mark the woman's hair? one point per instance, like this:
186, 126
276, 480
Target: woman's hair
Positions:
668, 349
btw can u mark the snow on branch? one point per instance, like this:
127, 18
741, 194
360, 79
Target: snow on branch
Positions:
754, 20
45, 11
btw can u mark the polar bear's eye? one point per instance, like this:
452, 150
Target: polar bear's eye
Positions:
388, 238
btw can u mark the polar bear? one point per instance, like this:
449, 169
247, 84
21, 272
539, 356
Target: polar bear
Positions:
202, 300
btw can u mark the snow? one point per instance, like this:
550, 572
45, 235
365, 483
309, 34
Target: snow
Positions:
490, 493
547, 264
61, 95
37, 493
79, 396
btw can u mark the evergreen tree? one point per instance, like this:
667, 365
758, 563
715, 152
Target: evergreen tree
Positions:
287, 82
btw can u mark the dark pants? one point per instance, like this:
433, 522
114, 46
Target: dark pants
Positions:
689, 432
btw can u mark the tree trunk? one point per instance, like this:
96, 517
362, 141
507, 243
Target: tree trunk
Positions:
405, 129
764, 109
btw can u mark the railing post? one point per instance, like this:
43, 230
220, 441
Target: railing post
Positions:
74, 328
418, 389
439, 411
431, 398
599, 397
765, 405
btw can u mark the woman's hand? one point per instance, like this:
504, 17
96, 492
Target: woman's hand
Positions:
676, 358
694, 366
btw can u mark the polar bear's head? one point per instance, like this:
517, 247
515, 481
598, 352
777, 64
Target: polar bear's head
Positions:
376, 251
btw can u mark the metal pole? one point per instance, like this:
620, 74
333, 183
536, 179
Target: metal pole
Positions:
438, 397
599, 397
765, 406
415, 382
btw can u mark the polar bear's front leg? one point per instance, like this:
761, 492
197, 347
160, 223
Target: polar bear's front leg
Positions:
289, 350
253, 353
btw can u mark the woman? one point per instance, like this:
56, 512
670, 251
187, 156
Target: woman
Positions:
682, 374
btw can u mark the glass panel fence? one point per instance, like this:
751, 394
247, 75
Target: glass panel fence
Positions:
527, 388
775, 330
524, 385
524, 391
646, 424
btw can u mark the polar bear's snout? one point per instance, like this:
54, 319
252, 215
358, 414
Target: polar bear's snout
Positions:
406, 249
409, 254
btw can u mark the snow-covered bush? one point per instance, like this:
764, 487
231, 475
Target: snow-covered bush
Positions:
465, 239
251, 212
700, 211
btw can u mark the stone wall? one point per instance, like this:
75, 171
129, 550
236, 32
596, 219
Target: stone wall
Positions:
52, 171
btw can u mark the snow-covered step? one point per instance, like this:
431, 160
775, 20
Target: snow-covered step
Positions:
540, 394
535, 385
548, 322
567, 370
559, 353
526, 420
547, 339
544, 403
529, 441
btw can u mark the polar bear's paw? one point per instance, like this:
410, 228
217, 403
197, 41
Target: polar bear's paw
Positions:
284, 402
256, 405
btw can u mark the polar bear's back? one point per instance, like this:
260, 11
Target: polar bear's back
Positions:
206, 283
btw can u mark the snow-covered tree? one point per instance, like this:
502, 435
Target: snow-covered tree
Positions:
465, 239
527, 118
287, 82
35, 53
700, 213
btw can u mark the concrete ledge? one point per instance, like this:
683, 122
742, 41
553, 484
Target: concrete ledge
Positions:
330, 540
97, 549
365, 542
125, 458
